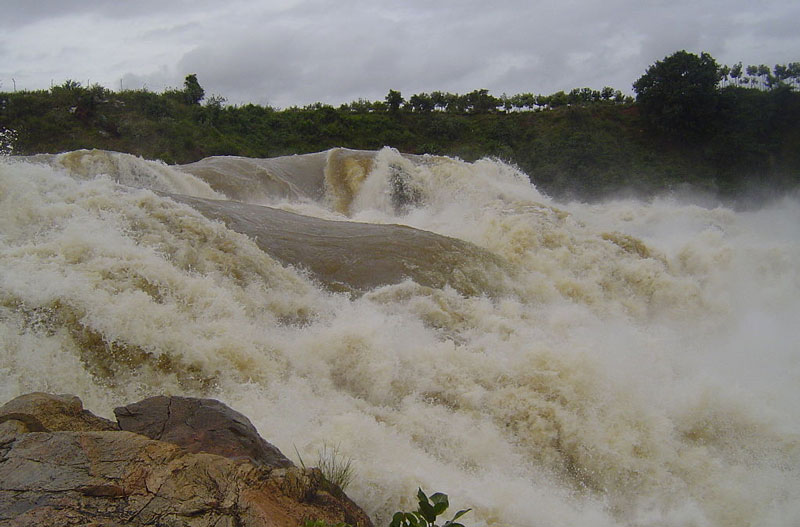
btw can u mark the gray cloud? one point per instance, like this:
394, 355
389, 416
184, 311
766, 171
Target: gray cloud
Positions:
302, 51
20, 13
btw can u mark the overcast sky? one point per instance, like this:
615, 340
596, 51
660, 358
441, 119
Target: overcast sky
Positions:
296, 52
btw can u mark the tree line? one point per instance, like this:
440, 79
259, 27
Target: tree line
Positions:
688, 124
481, 101
761, 76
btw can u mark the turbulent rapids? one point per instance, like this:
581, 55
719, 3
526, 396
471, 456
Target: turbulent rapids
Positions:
442, 322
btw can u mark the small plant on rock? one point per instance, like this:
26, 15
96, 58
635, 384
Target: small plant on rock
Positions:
335, 467
323, 523
425, 515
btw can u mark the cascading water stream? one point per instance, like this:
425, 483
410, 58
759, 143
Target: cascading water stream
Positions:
623, 363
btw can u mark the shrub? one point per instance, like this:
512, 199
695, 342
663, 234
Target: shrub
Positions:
426, 513
335, 467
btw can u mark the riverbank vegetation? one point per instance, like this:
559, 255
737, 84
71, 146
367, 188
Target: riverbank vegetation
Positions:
729, 130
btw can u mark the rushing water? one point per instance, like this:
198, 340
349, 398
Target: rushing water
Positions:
444, 323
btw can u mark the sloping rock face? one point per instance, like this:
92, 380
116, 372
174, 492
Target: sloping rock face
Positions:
200, 425
56, 473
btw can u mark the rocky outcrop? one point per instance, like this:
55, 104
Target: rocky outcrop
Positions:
61, 465
200, 425
55, 413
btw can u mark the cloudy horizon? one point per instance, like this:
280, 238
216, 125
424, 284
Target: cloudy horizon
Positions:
297, 52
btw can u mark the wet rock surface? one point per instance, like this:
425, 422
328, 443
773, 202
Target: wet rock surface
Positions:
51, 474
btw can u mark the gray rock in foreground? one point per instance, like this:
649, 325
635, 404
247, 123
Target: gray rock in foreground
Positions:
200, 425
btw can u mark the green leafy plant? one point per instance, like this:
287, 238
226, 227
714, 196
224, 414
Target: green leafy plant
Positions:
322, 523
425, 515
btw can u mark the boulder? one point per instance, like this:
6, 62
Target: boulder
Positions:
55, 412
200, 425
115, 477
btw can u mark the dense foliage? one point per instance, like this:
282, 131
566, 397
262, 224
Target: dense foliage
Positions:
679, 94
585, 143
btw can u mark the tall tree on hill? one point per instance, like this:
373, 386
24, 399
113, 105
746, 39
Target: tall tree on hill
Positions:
765, 74
736, 72
393, 100
192, 90
679, 94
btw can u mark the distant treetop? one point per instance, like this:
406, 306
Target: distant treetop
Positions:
192, 89
680, 92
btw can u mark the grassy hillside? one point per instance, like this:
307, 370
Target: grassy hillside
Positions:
584, 150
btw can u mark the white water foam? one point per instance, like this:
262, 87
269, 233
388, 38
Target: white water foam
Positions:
644, 372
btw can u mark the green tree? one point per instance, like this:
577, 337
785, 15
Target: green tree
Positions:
480, 101
794, 72
781, 72
679, 94
764, 76
557, 99
506, 102
456, 103
421, 102
192, 90
439, 100
394, 99
213, 108
519, 101
736, 72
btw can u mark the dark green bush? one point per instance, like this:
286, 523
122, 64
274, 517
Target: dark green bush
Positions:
427, 512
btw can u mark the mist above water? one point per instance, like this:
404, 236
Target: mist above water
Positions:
623, 363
